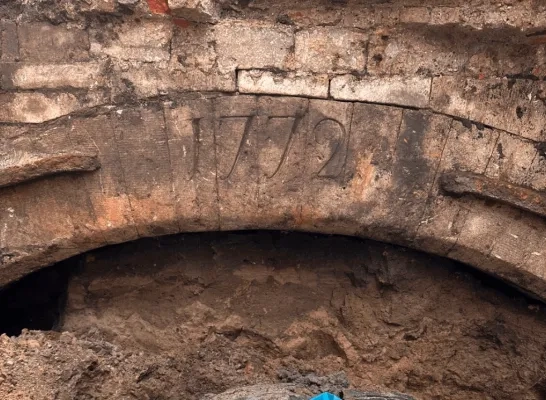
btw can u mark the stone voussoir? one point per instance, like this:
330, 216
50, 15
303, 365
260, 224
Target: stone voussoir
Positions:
288, 83
513, 105
402, 91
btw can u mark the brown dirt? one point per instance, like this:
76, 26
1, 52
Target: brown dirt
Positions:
182, 316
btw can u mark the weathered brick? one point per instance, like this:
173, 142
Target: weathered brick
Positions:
52, 43
32, 76
288, 83
331, 50
145, 41
412, 91
9, 42
253, 45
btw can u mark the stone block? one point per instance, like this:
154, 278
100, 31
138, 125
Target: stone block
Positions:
445, 15
418, 15
410, 51
329, 49
253, 45
404, 91
196, 10
374, 131
194, 48
359, 17
52, 76
9, 42
29, 234
149, 81
36, 107
473, 245
44, 42
146, 33
288, 83
387, 15
321, 14
146, 41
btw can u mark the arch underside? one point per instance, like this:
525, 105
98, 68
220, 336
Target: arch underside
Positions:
212, 162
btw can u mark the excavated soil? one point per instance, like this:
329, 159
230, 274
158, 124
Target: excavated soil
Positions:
182, 316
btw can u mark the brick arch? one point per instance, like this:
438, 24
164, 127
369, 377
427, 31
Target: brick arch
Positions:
230, 162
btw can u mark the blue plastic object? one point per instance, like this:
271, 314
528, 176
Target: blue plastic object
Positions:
326, 396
